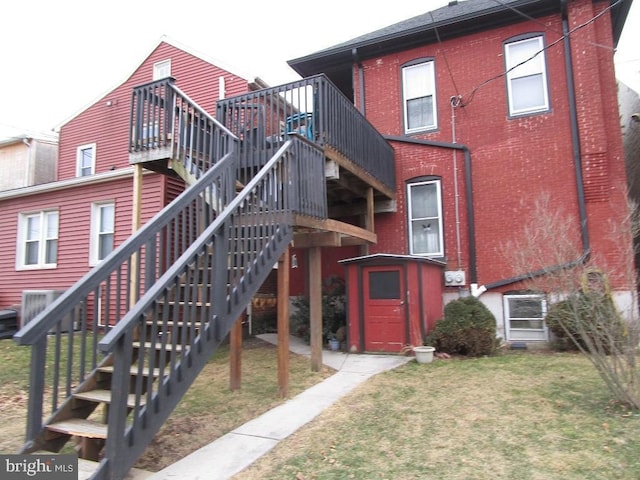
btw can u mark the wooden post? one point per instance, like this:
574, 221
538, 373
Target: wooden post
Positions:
368, 219
315, 306
283, 324
135, 225
235, 355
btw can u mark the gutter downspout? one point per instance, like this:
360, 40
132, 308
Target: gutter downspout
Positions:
471, 229
354, 54
577, 162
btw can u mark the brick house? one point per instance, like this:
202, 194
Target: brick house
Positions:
477, 146
412, 154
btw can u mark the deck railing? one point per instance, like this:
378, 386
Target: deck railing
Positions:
314, 108
99, 300
167, 124
214, 280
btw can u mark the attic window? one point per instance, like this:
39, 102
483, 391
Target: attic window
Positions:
162, 69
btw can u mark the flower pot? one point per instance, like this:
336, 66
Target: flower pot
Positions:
334, 345
424, 354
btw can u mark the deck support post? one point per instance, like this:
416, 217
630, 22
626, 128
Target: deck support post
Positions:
135, 225
283, 324
368, 219
235, 355
315, 306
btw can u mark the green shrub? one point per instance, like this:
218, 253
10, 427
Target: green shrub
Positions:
468, 328
587, 320
334, 314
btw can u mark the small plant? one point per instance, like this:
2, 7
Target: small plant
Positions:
468, 328
334, 315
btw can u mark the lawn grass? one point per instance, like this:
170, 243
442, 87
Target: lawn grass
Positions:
208, 410
525, 416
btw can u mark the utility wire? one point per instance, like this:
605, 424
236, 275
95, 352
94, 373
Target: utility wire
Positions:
466, 99
546, 27
444, 55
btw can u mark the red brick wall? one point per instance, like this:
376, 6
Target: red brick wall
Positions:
513, 160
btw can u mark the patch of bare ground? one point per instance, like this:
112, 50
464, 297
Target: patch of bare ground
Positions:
208, 410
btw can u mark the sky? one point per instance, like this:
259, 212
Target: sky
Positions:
59, 56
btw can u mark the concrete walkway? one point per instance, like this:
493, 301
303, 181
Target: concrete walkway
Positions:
238, 449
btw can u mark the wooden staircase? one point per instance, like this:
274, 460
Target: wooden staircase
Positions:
152, 313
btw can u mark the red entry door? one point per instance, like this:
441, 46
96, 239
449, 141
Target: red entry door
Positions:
385, 322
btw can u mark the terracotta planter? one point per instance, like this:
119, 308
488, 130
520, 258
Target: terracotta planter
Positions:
424, 354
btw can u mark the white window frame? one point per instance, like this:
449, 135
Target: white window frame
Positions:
412, 92
520, 334
79, 157
536, 66
44, 238
426, 220
162, 69
97, 230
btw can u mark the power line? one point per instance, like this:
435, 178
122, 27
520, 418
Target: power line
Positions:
444, 55
547, 27
469, 97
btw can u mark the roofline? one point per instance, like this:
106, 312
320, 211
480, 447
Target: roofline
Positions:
251, 80
344, 52
53, 139
69, 183
393, 257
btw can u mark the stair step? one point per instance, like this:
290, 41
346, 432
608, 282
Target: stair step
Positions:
182, 304
171, 324
80, 427
104, 396
134, 370
158, 346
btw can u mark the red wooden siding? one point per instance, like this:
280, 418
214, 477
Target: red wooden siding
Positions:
106, 122
74, 232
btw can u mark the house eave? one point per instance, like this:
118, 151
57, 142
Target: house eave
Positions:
69, 183
342, 56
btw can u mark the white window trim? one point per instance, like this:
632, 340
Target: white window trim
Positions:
160, 67
513, 74
431, 65
410, 219
94, 243
79, 151
21, 239
507, 316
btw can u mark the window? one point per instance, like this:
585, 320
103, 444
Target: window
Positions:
418, 86
86, 160
527, 82
425, 218
524, 317
102, 231
37, 240
384, 285
162, 69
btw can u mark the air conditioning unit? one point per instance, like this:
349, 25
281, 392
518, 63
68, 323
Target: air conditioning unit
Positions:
35, 301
